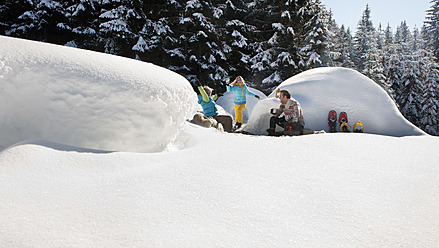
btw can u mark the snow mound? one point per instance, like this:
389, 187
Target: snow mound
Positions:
88, 99
323, 89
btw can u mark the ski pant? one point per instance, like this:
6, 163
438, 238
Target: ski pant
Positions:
296, 128
238, 112
226, 121
277, 121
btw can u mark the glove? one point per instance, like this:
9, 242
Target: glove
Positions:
257, 97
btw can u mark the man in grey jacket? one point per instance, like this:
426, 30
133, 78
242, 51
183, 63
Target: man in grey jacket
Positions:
288, 113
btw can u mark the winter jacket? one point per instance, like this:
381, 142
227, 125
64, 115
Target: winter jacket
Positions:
240, 93
209, 107
292, 111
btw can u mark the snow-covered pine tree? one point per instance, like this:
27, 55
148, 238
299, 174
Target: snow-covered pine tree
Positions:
157, 42
430, 70
388, 37
394, 74
315, 35
39, 21
120, 21
346, 48
266, 17
369, 56
238, 36
411, 95
82, 24
340, 46
10, 13
288, 33
430, 106
201, 43
402, 77
432, 27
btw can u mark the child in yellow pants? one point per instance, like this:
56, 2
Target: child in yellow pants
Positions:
238, 112
240, 91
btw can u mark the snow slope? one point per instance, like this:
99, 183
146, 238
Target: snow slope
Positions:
88, 99
380, 191
216, 190
323, 89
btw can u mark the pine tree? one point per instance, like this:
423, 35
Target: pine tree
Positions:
201, 43
238, 36
369, 56
82, 24
313, 48
11, 12
394, 74
39, 21
432, 27
157, 41
266, 17
430, 105
340, 48
291, 36
119, 26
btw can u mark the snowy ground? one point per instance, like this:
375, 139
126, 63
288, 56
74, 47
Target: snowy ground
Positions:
199, 187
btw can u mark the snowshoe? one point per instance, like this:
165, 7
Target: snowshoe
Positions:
345, 128
343, 118
332, 120
358, 129
343, 121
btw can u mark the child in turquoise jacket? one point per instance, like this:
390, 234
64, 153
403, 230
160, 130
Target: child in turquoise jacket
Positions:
207, 102
240, 90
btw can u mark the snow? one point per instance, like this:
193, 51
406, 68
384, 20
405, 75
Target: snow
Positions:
220, 189
89, 99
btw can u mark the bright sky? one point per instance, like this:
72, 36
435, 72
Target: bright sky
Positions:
393, 12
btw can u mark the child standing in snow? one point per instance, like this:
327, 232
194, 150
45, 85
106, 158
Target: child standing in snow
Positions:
240, 91
207, 102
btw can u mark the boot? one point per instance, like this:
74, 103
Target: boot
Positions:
237, 125
271, 132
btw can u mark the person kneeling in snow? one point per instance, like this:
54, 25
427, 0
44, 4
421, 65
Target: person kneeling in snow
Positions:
292, 114
210, 111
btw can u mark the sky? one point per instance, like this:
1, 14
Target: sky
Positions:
393, 12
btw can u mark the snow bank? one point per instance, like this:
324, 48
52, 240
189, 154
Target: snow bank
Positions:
88, 99
286, 192
322, 89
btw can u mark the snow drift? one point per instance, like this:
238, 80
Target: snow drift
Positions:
224, 190
88, 99
323, 89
